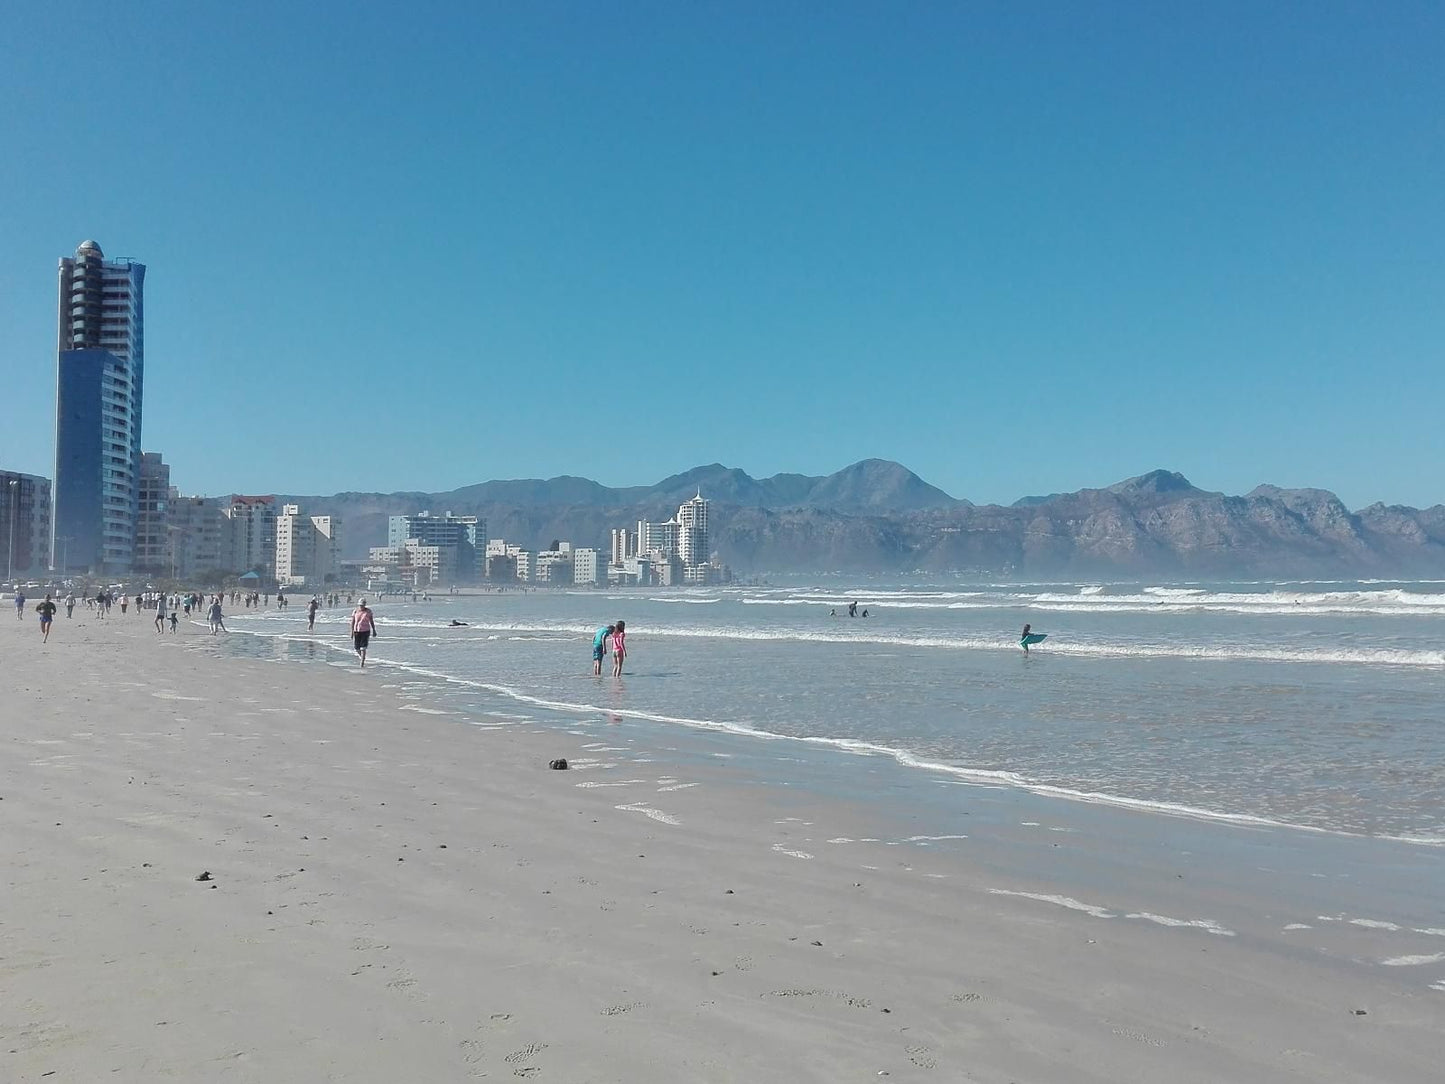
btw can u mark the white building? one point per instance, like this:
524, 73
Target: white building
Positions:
587, 567
624, 545
692, 536
308, 548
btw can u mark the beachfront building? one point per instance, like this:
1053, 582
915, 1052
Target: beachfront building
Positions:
624, 545
252, 535
692, 537
99, 380
587, 567
308, 548
24, 523
501, 567
198, 536
461, 540
675, 552
152, 547
554, 565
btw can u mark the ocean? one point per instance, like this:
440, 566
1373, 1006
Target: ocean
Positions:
1309, 704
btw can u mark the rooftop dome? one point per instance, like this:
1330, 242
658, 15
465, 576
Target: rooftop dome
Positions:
90, 246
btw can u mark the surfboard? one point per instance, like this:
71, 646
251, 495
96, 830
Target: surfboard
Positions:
1034, 638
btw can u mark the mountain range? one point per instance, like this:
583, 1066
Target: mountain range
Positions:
877, 516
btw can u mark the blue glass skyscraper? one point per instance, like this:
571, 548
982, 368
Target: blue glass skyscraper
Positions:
99, 382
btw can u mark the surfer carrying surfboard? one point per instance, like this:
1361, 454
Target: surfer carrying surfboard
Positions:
1026, 638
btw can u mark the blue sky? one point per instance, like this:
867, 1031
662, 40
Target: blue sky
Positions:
1020, 248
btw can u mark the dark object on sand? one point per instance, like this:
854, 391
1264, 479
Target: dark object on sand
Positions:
559, 765
205, 876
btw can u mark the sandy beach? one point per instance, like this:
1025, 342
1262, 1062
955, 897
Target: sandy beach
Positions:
397, 892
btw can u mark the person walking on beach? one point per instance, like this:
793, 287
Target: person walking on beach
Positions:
619, 647
363, 627
311, 608
19, 604
70, 604
46, 610
217, 625
161, 614
599, 648
175, 620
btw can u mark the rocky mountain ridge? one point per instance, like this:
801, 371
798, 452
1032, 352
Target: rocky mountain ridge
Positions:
879, 517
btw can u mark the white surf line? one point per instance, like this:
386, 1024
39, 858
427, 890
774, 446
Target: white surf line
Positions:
611, 783
924, 841
649, 811
1205, 924
424, 711
1058, 901
1096, 911
674, 786
1413, 961
782, 848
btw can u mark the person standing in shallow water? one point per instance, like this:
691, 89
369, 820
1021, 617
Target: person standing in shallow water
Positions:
311, 608
599, 648
363, 628
619, 647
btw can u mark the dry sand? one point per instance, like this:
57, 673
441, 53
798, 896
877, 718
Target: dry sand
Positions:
401, 896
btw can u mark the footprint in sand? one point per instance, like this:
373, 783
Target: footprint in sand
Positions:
519, 1058
1138, 1036
618, 1010
920, 1056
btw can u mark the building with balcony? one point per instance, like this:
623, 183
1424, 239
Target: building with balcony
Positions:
152, 547
99, 384
588, 568
308, 548
253, 535
24, 523
462, 538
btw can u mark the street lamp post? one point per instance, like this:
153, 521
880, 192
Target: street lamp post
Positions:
14, 502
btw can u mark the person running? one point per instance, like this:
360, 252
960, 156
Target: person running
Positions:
46, 610
217, 624
599, 648
311, 608
363, 628
619, 647
70, 604
19, 604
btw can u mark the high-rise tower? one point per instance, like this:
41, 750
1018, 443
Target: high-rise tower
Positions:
99, 381
692, 539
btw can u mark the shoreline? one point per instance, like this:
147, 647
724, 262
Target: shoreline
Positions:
905, 758
402, 894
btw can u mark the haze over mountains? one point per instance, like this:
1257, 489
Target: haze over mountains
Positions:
879, 517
